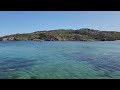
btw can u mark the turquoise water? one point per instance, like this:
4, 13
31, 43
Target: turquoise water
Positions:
59, 60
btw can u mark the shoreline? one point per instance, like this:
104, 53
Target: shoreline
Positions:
58, 41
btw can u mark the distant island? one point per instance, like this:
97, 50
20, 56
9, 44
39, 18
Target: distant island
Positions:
83, 34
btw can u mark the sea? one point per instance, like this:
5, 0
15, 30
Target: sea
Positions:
60, 60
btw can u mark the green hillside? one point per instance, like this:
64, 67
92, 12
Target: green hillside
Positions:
84, 34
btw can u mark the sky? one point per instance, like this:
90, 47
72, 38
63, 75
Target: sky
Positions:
12, 22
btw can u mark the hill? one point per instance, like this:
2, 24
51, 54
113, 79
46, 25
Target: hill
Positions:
83, 34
